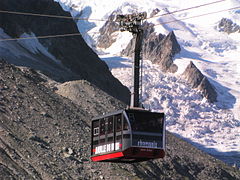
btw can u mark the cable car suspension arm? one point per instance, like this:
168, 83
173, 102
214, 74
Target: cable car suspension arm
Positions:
133, 24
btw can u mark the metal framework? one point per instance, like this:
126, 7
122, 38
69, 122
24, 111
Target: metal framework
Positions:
133, 24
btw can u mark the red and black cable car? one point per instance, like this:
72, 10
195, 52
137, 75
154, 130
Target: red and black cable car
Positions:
129, 135
133, 134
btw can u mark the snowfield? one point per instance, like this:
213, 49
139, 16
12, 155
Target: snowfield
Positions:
187, 113
215, 128
22, 48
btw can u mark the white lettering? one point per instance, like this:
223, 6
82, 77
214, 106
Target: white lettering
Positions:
107, 148
147, 144
117, 146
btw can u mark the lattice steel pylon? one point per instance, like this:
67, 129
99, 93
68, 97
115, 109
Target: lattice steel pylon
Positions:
133, 24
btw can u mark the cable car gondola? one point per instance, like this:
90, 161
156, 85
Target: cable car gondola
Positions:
129, 135
132, 134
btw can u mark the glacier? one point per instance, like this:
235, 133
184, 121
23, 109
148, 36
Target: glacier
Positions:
214, 128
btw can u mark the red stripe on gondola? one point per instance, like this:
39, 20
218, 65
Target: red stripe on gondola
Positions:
107, 156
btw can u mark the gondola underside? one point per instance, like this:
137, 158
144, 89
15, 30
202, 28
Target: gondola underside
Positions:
130, 155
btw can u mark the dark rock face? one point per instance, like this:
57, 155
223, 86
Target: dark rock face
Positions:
73, 53
46, 136
160, 49
226, 25
197, 80
149, 44
169, 47
106, 39
193, 75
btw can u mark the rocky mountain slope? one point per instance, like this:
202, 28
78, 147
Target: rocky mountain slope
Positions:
212, 127
46, 136
62, 58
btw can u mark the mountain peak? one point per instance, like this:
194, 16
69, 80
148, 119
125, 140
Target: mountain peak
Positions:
197, 80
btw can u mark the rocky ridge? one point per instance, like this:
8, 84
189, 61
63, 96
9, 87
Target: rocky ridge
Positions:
46, 136
106, 38
160, 49
197, 80
76, 60
228, 26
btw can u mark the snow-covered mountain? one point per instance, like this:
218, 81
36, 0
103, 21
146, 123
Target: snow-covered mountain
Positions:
214, 128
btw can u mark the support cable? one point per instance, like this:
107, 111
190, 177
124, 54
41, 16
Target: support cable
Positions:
45, 37
77, 34
40, 37
90, 19
186, 9
176, 20
49, 15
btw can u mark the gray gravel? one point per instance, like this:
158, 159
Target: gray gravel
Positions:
46, 136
